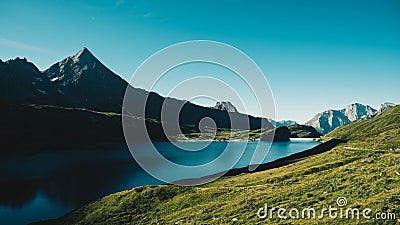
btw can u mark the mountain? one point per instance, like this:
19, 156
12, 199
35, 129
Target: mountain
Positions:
282, 123
227, 106
21, 82
87, 83
82, 82
357, 111
385, 106
79, 81
328, 120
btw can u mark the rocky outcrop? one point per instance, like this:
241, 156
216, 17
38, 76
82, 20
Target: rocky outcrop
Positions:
385, 106
226, 106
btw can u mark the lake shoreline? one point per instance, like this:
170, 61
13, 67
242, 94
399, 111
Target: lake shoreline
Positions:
326, 146
296, 157
276, 163
18, 151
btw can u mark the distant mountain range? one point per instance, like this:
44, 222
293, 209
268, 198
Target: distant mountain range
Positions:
328, 120
228, 106
81, 87
380, 132
281, 123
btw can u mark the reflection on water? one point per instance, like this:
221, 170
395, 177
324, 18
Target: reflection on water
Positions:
44, 186
17, 193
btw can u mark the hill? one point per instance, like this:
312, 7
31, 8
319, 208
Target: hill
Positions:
367, 178
303, 131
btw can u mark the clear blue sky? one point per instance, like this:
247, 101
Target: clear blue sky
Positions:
315, 54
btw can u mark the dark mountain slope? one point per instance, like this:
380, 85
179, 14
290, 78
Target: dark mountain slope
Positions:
33, 128
83, 84
303, 131
22, 82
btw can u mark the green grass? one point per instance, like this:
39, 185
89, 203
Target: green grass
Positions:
381, 132
299, 131
303, 131
368, 178
224, 135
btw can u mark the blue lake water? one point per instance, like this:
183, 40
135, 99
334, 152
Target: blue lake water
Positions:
48, 185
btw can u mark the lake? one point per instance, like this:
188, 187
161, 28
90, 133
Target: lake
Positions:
48, 185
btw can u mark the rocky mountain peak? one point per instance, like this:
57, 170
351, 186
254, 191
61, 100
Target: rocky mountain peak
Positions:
83, 55
385, 106
228, 106
72, 68
358, 111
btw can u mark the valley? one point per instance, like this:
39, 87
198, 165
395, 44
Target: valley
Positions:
366, 178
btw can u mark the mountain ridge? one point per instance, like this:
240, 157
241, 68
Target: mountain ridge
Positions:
81, 81
328, 120
282, 123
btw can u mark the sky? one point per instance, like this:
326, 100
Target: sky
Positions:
315, 55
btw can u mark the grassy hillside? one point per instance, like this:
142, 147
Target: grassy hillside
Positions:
223, 135
381, 132
366, 177
296, 131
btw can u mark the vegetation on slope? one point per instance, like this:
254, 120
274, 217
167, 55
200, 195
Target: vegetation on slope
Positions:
381, 132
280, 134
367, 178
303, 131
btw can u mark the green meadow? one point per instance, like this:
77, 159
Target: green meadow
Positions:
365, 170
